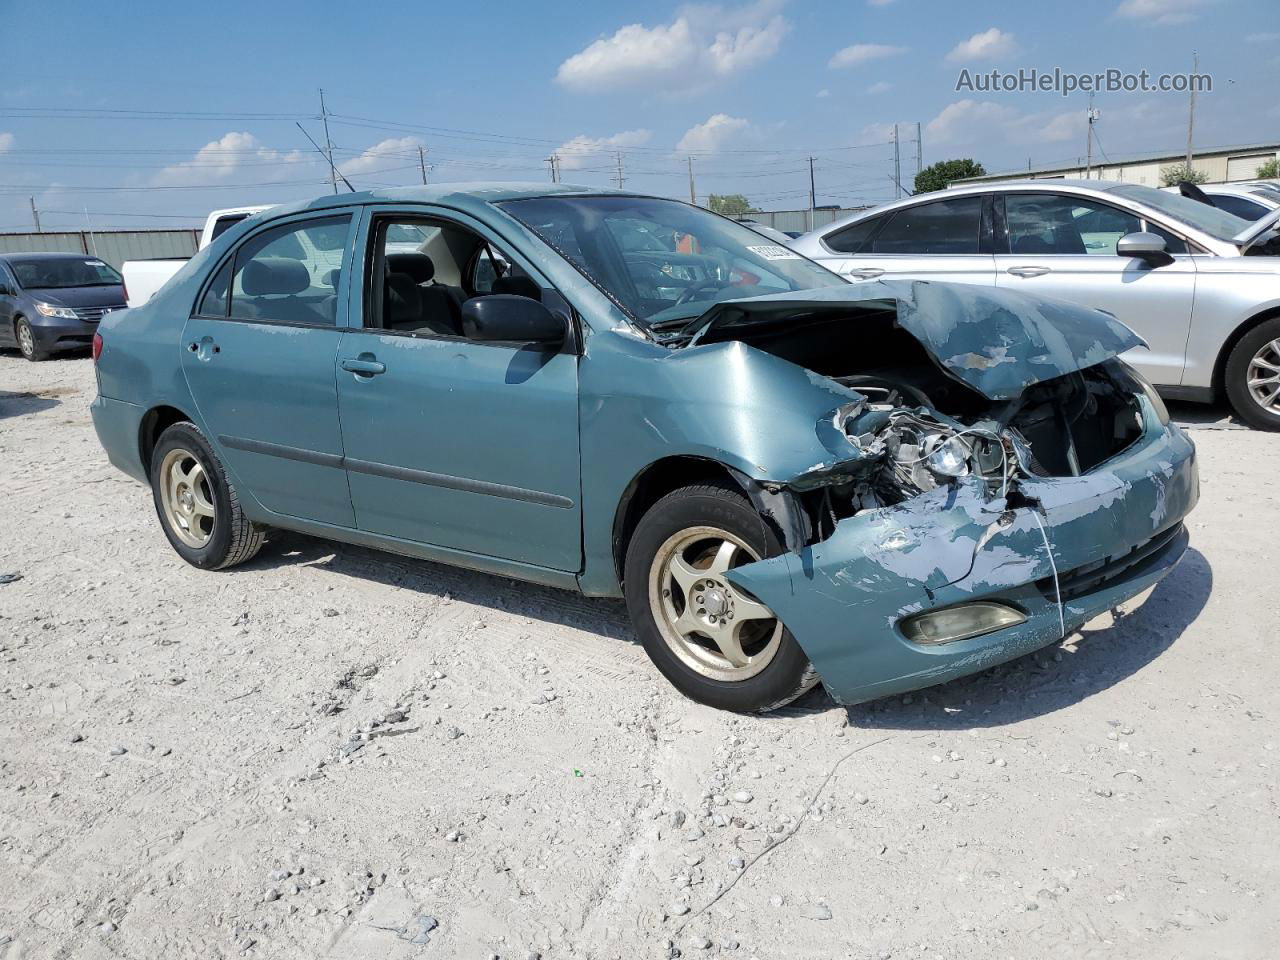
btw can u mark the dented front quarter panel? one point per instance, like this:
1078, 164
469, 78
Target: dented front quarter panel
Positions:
843, 598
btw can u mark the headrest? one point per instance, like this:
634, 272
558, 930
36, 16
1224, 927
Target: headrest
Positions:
416, 265
273, 276
518, 286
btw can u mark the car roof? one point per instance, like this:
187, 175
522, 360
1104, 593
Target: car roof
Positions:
463, 195
47, 255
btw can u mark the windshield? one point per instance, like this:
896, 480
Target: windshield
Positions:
1216, 223
663, 261
58, 274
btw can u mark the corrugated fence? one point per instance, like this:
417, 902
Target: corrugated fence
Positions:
113, 246
799, 220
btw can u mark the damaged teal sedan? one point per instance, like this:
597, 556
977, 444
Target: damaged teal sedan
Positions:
789, 478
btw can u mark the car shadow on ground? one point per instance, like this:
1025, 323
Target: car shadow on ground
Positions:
561, 607
16, 404
1088, 662
1204, 416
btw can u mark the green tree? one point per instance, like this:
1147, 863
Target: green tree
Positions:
938, 175
1269, 170
730, 204
1173, 175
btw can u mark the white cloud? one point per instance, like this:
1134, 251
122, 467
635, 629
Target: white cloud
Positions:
969, 121
390, 152
1064, 126
574, 153
987, 45
823, 94
711, 135
702, 44
878, 3
1162, 12
221, 158
880, 86
861, 53
1262, 38
6, 142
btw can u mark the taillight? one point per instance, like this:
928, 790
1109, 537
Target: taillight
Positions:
97, 346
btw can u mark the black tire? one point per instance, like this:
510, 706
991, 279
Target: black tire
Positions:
1242, 401
27, 344
787, 676
233, 538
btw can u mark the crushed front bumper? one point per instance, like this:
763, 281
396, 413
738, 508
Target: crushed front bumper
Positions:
1094, 540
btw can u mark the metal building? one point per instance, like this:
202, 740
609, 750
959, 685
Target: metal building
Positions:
113, 246
1220, 165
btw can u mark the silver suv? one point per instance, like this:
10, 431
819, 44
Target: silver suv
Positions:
1201, 286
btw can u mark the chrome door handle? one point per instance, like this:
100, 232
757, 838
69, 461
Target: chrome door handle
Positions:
364, 365
1028, 271
866, 273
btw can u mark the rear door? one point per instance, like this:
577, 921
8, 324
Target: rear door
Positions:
467, 445
948, 239
258, 354
1064, 245
8, 298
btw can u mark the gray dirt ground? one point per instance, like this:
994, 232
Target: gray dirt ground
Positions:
542, 790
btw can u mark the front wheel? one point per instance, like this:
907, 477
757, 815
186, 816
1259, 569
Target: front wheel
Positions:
27, 344
715, 643
1253, 376
196, 503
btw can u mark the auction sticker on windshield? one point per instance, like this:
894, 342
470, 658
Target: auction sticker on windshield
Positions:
772, 251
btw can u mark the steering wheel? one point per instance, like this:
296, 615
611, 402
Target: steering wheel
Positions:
694, 288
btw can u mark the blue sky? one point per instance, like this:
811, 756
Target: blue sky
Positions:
148, 114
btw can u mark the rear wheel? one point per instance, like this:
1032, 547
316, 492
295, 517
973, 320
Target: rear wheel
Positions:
715, 643
196, 503
27, 344
1253, 376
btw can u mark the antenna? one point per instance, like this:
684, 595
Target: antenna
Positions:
333, 171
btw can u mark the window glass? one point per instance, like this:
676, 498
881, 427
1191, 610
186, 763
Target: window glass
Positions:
288, 275
223, 224
1172, 242
1217, 223
489, 266
941, 227
1241, 207
214, 303
665, 262
852, 238
60, 273
1044, 223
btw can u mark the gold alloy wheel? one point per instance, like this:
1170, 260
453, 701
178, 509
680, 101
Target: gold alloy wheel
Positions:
1263, 376
187, 497
714, 628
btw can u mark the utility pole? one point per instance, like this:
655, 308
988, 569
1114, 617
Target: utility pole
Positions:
1092, 116
813, 196
693, 194
324, 118
919, 153
1191, 114
620, 179
554, 162
35, 214
897, 164
422, 162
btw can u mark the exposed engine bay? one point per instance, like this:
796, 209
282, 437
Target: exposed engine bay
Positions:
920, 428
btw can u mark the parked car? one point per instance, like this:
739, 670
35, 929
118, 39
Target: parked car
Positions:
1200, 286
143, 278
787, 476
53, 301
1250, 201
773, 233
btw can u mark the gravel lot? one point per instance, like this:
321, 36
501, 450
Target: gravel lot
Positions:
449, 764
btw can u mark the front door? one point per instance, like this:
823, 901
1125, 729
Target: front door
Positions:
1064, 246
259, 356
461, 444
8, 296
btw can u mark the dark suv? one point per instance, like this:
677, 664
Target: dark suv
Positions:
53, 301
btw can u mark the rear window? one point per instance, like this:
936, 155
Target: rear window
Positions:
60, 273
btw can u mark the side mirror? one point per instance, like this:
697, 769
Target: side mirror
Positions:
505, 317
1144, 246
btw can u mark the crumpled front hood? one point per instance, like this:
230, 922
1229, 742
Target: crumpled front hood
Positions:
999, 342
